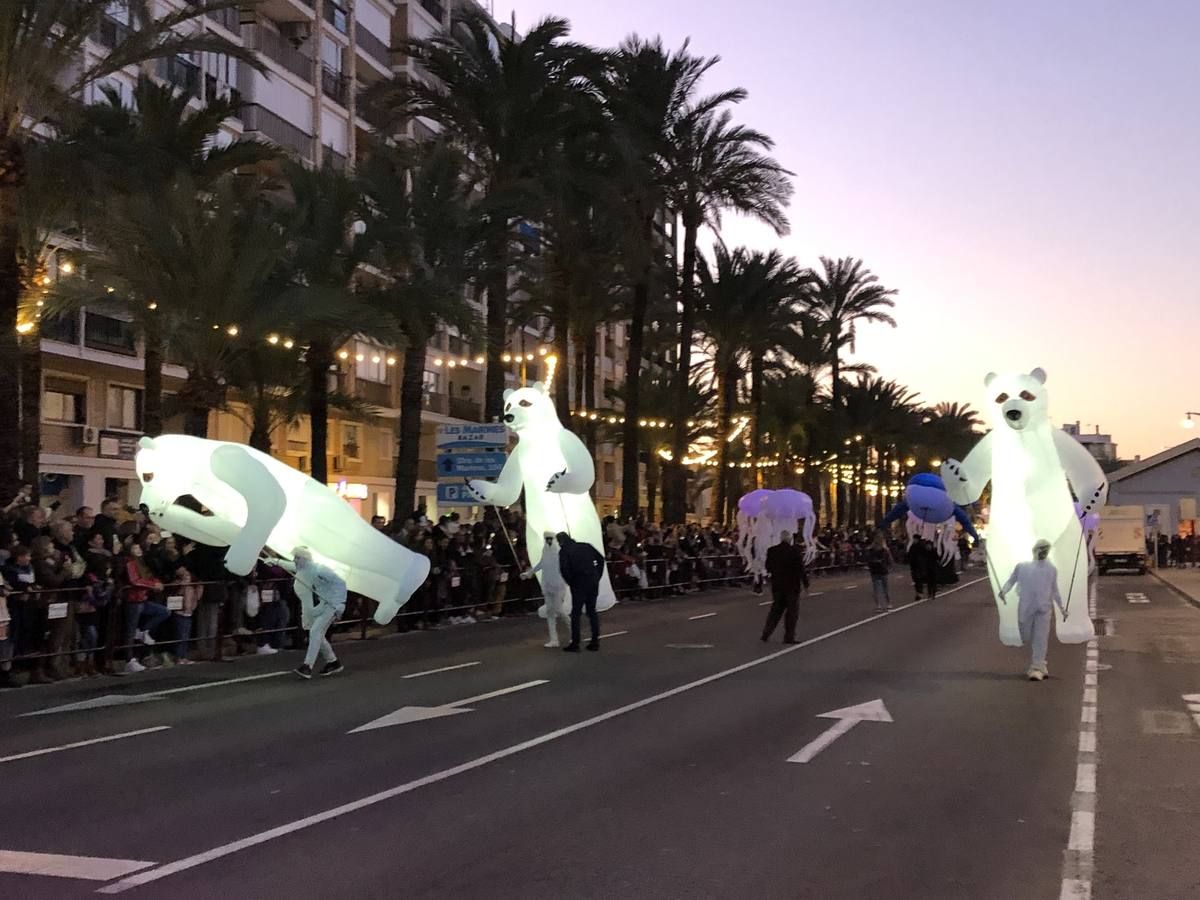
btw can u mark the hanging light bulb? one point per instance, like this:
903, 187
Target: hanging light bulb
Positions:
289, 344
232, 331
67, 267
343, 354
391, 360
272, 339
358, 357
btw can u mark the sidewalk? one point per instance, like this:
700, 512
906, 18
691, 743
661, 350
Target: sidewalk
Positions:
1184, 581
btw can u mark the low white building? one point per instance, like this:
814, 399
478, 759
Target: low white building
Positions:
1167, 483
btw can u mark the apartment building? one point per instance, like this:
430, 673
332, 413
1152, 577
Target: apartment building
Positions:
318, 54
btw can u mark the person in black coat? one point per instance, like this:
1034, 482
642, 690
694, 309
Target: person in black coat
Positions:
925, 567
785, 565
582, 567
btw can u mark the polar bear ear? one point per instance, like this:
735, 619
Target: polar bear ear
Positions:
989, 378
539, 386
1039, 375
146, 443
508, 392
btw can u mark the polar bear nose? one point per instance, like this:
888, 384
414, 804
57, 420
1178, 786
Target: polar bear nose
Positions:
1013, 415
509, 418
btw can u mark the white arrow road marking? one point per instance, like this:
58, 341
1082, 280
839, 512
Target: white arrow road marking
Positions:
874, 711
1192, 701
92, 868
407, 714
124, 699
99, 740
326, 815
1137, 597
443, 669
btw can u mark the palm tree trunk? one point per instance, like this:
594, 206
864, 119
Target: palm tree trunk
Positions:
319, 359
497, 324
31, 408
198, 393
757, 374
408, 451
589, 389
630, 480
675, 477
726, 389
580, 382
11, 177
653, 470
835, 371
152, 366
260, 418
562, 378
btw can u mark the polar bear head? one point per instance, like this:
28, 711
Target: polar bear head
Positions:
165, 469
1018, 401
529, 407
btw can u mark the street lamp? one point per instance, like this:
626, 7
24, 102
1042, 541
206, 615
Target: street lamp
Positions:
1187, 420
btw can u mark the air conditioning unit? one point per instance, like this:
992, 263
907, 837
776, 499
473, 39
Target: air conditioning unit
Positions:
297, 33
89, 436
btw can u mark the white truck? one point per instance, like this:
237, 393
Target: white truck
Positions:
1121, 539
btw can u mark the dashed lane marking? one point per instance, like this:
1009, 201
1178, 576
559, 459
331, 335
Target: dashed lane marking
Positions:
701, 616
442, 669
90, 868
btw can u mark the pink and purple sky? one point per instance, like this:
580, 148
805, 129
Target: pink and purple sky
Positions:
1026, 174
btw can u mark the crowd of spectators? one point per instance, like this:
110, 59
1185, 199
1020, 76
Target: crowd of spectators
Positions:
84, 593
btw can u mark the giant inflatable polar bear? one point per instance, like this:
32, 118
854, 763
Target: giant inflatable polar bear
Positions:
556, 471
258, 501
1030, 464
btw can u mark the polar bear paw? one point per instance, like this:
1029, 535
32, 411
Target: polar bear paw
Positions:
953, 469
555, 479
479, 490
1094, 500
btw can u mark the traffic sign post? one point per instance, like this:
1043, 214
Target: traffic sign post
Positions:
471, 451
472, 437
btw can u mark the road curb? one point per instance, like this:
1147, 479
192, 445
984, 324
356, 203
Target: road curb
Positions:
1178, 590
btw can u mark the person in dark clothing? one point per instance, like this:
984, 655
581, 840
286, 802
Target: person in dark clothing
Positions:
582, 567
785, 565
925, 567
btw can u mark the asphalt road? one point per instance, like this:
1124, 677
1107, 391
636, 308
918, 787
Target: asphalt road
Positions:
656, 768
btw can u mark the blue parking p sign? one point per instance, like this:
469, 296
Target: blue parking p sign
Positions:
450, 494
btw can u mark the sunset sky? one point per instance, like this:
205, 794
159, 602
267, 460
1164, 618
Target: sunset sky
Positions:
1026, 174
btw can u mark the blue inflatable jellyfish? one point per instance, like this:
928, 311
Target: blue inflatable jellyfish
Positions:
929, 512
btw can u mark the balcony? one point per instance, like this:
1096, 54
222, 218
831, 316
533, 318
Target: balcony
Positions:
373, 46
336, 16
435, 403
279, 49
279, 131
102, 332
182, 73
375, 393
333, 85
461, 408
435, 9
110, 32
227, 18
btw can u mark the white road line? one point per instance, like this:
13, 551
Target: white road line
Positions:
1079, 859
263, 837
442, 669
99, 740
479, 698
91, 868
702, 616
613, 634
811, 594
766, 603
124, 699
849, 587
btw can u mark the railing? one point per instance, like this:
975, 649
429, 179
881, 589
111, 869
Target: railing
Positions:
372, 46
461, 408
278, 48
375, 393
336, 16
228, 18
278, 130
337, 160
333, 85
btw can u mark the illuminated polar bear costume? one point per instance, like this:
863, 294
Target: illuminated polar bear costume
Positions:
1030, 464
258, 501
556, 471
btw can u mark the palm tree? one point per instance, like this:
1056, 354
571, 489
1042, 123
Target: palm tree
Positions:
844, 294
715, 166
502, 99
321, 266
201, 265
649, 92
43, 71
116, 149
427, 238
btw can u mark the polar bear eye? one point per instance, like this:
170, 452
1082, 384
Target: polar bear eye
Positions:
1027, 397
1002, 398
526, 403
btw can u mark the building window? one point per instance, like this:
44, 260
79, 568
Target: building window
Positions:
610, 472
370, 363
108, 333
124, 407
64, 404
350, 442
331, 54
432, 383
